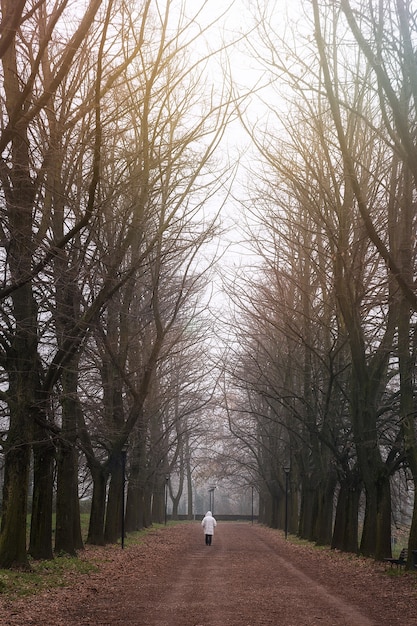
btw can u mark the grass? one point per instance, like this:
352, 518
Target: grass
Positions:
43, 575
389, 571
54, 573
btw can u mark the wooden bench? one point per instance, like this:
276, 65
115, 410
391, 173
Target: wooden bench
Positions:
401, 561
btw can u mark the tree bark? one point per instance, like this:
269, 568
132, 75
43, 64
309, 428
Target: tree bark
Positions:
135, 516
68, 537
40, 546
308, 508
15, 495
325, 503
346, 526
98, 506
137, 479
112, 527
22, 361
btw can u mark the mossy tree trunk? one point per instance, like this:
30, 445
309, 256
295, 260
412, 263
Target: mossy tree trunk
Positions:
40, 545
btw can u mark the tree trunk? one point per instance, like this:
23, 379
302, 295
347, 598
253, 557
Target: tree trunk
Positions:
98, 506
264, 506
293, 507
147, 507
68, 528
272, 510
22, 355
345, 532
190, 509
325, 501
158, 501
307, 510
113, 526
68, 536
384, 516
136, 487
376, 536
40, 546
15, 493
177, 497
134, 506
22, 365
407, 412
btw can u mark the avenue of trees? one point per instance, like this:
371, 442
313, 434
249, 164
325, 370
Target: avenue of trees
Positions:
109, 128
113, 176
321, 375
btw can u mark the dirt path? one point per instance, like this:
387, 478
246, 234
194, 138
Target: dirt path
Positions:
249, 577
241, 580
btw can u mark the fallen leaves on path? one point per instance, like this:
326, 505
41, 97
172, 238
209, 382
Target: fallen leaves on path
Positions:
118, 576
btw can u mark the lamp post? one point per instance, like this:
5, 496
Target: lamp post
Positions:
287, 473
252, 505
166, 497
123, 454
211, 498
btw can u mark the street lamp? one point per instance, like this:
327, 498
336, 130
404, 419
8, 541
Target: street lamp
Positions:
123, 454
211, 498
287, 473
166, 496
252, 505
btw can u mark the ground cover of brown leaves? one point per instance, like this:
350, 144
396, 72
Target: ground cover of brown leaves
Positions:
250, 576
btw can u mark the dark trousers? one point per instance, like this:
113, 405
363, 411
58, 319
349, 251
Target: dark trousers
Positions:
208, 540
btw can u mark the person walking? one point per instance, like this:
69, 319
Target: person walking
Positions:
208, 524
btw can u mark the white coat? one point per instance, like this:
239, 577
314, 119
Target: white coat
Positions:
208, 523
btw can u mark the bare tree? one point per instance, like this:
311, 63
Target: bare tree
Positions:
386, 38
26, 96
165, 187
70, 241
395, 94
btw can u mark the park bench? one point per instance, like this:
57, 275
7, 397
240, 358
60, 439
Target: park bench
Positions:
401, 561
